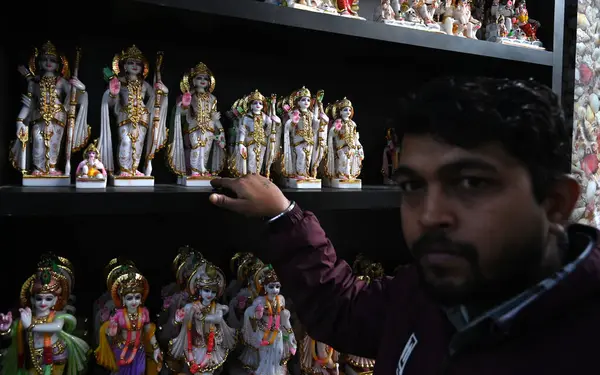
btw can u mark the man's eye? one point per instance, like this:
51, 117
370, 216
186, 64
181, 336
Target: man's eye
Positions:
409, 186
469, 183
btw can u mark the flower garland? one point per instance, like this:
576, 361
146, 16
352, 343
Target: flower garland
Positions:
268, 331
130, 329
210, 343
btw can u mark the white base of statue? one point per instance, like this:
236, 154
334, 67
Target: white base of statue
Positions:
339, 183
46, 181
308, 183
90, 183
433, 28
132, 181
196, 181
350, 371
518, 43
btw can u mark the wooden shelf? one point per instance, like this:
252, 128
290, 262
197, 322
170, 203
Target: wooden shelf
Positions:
266, 13
172, 199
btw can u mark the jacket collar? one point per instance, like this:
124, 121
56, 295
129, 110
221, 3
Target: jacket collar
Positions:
574, 282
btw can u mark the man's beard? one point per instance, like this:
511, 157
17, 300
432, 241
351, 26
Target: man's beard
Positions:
514, 270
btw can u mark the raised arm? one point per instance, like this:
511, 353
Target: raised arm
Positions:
335, 307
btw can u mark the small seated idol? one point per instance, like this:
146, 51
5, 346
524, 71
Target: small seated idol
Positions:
104, 306
127, 338
42, 342
205, 339
345, 153
197, 151
401, 13
457, 20
348, 8
254, 129
247, 267
391, 157
52, 120
91, 173
302, 122
269, 341
140, 115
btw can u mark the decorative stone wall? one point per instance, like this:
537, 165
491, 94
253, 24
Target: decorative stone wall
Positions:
586, 116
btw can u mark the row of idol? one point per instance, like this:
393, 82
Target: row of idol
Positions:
297, 137
506, 21
204, 326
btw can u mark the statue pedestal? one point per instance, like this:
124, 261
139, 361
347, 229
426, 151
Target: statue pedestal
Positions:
90, 183
45, 181
414, 26
196, 181
339, 183
132, 181
518, 42
308, 183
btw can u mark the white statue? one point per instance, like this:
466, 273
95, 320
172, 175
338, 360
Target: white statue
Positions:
205, 339
91, 173
457, 20
254, 130
54, 105
267, 331
244, 290
426, 10
197, 151
345, 153
140, 110
301, 125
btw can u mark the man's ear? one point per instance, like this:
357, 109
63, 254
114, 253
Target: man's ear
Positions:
561, 199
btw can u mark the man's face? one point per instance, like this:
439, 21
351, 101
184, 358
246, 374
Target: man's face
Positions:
470, 219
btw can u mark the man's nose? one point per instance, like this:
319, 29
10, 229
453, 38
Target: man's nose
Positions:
437, 212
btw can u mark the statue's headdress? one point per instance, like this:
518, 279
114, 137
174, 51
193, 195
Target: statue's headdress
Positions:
131, 53
92, 147
47, 280
255, 95
263, 277
48, 49
199, 69
206, 275
339, 105
129, 283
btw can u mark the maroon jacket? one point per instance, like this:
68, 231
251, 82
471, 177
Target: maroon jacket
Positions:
553, 328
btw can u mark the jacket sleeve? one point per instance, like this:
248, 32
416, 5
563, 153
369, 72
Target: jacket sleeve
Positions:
332, 304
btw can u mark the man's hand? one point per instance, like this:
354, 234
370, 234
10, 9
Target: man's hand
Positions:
256, 196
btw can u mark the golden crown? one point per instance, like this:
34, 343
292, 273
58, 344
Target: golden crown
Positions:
93, 147
344, 103
264, 276
132, 53
49, 49
129, 283
200, 69
209, 277
303, 92
256, 95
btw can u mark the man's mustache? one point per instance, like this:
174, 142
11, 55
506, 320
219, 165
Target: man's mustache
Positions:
439, 243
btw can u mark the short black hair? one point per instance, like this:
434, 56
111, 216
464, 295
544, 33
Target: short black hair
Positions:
523, 116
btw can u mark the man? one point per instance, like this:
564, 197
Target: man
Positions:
499, 285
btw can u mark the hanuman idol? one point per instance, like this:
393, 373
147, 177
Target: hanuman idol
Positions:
127, 342
204, 339
55, 107
140, 111
196, 153
42, 342
302, 123
344, 151
256, 131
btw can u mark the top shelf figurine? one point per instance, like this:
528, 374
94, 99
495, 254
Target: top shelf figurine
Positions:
344, 8
54, 107
138, 121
